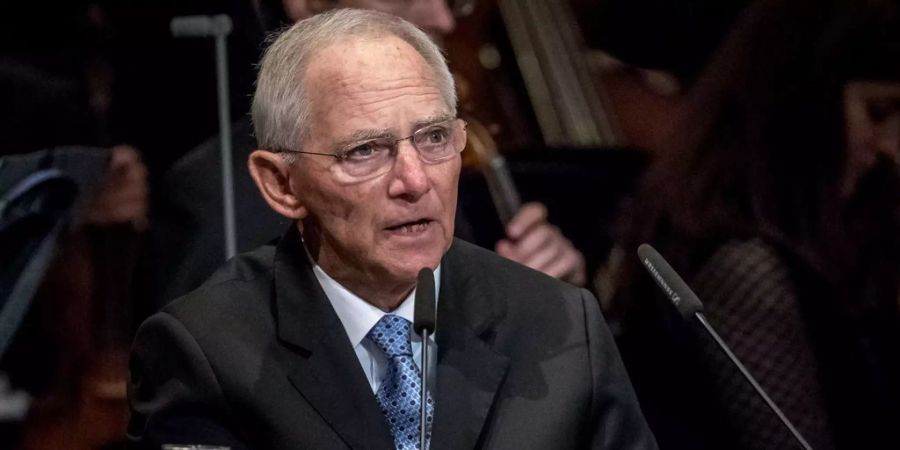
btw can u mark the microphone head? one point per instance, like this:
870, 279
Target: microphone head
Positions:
669, 282
424, 317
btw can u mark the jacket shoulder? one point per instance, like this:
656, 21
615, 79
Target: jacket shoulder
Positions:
243, 284
514, 291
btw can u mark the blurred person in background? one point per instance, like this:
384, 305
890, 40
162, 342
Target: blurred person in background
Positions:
68, 357
779, 203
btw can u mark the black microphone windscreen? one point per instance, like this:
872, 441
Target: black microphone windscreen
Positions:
668, 280
424, 317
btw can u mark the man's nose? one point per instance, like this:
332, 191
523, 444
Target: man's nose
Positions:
408, 177
433, 16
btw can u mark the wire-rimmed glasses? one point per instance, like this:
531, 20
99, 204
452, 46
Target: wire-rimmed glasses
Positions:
370, 158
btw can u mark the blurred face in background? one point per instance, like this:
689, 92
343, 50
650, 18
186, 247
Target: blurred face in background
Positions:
432, 16
872, 127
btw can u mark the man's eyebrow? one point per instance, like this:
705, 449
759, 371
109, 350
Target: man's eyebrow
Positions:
362, 136
367, 135
431, 120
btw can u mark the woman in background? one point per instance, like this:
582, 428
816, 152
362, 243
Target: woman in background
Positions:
779, 202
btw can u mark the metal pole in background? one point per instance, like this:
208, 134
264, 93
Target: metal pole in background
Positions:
218, 27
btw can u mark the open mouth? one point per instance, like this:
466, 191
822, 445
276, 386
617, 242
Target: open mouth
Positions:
417, 226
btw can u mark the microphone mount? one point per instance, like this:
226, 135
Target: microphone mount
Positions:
424, 324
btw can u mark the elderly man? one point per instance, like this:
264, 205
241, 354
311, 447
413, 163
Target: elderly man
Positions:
288, 347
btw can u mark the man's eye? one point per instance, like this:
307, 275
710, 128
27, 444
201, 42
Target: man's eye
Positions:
436, 135
362, 152
879, 110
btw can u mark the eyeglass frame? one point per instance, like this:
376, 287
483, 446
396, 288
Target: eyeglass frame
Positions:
341, 156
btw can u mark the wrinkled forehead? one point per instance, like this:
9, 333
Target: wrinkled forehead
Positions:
365, 57
368, 71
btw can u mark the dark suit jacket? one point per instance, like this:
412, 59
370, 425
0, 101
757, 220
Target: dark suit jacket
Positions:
257, 358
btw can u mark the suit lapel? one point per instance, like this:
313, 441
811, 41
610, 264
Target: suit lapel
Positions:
326, 370
469, 371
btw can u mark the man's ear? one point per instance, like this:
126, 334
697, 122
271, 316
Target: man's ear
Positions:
301, 9
272, 175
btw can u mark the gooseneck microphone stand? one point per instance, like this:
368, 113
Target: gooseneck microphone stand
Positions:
424, 324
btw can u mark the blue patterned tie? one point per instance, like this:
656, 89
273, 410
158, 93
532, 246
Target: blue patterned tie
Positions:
400, 393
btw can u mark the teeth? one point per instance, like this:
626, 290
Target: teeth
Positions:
414, 227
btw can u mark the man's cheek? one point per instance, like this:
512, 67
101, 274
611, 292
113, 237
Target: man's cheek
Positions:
335, 207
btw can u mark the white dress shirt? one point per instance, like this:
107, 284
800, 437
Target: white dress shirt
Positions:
359, 316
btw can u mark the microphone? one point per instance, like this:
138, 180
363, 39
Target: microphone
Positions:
424, 317
688, 305
423, 324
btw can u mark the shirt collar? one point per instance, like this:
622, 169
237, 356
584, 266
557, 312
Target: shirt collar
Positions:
359, 316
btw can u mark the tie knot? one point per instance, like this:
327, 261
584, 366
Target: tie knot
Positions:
391, 335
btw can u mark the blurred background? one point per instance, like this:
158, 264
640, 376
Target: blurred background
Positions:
754, 143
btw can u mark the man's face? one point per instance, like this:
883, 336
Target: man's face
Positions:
378, 231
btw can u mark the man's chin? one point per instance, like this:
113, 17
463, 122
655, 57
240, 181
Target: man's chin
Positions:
406, 265
411, 267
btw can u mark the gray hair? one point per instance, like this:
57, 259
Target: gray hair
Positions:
281, 107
